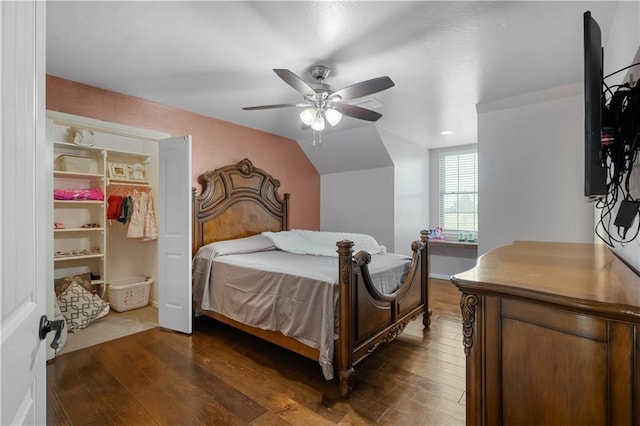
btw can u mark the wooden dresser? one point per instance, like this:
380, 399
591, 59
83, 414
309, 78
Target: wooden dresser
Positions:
551, 334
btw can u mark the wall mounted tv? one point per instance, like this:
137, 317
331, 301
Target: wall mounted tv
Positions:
595, 172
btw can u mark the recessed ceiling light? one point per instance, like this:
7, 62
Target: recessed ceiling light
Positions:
446, 132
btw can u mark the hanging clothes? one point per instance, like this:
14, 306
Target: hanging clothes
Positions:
143, 223
115, 206
150, 223
134, 209
136, 225
126, 210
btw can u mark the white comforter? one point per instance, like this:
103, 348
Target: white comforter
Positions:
321, 243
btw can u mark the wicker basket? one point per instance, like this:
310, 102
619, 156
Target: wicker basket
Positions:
77, 164
129, 293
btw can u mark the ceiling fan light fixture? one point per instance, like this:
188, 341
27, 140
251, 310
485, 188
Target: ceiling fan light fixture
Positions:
322, 104
333, 116
307, 116
318, 122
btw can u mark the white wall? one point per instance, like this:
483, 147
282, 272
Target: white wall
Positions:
360, 201
621, 44
531, 171
621, 48
390, 202
411, 189
445, 260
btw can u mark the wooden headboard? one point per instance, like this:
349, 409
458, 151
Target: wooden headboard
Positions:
237, 201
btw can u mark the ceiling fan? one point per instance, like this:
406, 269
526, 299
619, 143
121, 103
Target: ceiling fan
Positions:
322, 103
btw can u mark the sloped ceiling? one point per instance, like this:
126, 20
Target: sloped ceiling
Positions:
351, 149
214, 58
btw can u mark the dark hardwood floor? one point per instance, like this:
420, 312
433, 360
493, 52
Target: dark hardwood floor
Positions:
220, 376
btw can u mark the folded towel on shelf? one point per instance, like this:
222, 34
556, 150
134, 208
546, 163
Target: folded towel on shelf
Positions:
95, 194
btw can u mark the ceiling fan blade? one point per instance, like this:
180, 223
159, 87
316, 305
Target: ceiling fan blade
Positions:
364, 88
252, 108
358, 112
296, 82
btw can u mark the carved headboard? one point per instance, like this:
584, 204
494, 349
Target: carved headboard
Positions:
237, 201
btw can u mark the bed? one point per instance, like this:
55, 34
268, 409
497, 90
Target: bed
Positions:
239, 203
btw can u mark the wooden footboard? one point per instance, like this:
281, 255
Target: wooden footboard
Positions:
368, 317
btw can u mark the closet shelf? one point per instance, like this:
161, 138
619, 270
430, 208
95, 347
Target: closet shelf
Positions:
77, 202
129, 154
58, 174
63, 230
79, 147
128, 182
85, 256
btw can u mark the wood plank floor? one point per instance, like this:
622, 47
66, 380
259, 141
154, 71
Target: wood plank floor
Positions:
220, 376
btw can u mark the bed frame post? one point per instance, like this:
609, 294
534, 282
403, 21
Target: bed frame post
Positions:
345, 350
424, 237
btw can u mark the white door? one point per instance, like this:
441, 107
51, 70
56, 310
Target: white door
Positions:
174, 234
24, 203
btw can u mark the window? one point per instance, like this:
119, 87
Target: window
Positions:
459, 191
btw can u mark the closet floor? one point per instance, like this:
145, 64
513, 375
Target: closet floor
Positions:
113, 326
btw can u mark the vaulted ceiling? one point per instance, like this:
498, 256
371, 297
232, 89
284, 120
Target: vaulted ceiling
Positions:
214, 58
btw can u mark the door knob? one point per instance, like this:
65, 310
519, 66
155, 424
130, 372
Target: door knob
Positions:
47, 326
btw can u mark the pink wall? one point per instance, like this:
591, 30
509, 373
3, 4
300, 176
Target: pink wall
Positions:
216, 143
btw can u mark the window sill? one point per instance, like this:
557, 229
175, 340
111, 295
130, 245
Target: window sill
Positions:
453, 243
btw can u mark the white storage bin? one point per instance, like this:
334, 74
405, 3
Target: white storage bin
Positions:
129, 293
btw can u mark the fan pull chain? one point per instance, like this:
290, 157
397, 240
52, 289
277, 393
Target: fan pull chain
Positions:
319, 142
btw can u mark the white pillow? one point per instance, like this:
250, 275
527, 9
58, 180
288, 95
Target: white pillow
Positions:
242, 245
79, 307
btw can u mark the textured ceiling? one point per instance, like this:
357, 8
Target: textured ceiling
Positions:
214, 58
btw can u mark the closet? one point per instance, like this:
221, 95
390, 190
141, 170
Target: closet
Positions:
105, 180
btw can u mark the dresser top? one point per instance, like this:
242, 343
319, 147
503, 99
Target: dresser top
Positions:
587, 277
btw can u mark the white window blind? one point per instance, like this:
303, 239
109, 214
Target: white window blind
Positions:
459, 191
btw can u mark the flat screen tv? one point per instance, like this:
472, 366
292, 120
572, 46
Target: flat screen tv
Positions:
595, 173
